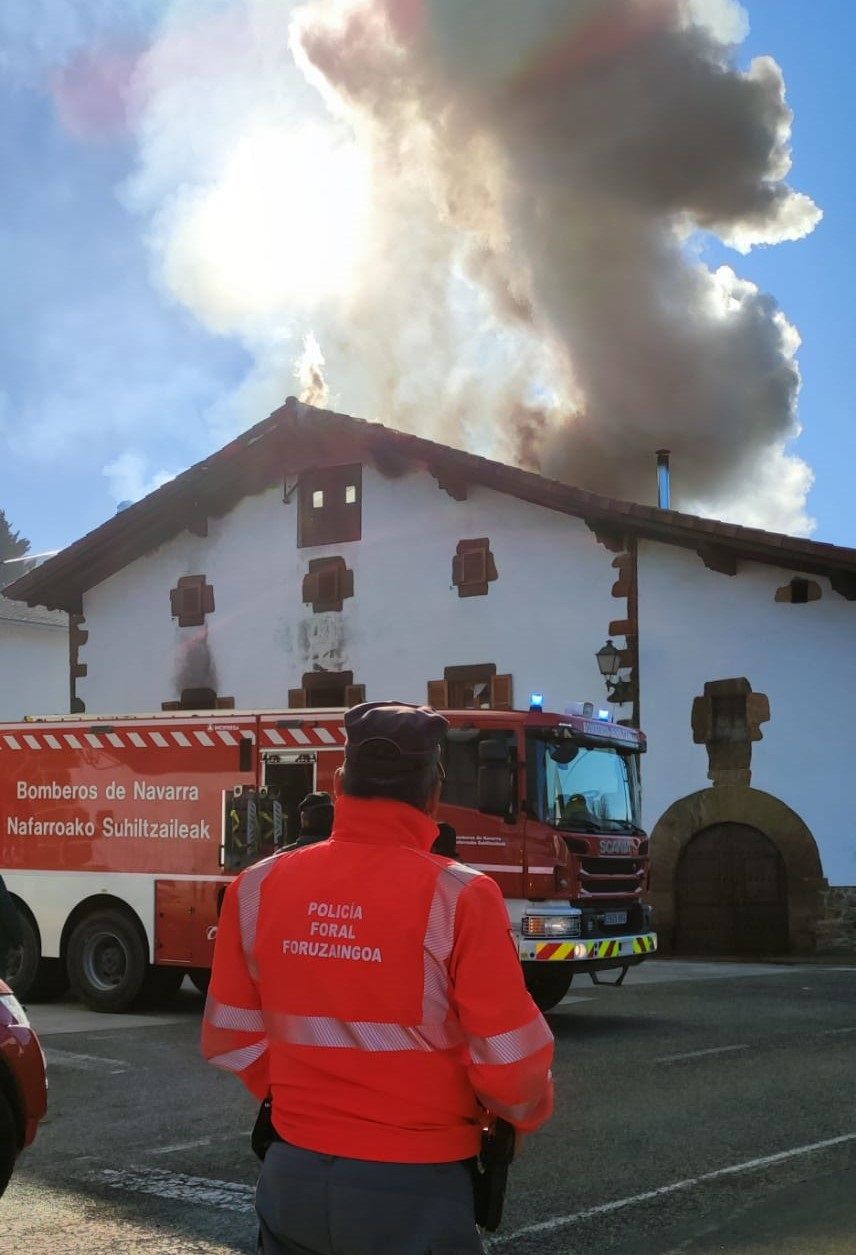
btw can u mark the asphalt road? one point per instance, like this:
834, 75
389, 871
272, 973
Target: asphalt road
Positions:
703, 1110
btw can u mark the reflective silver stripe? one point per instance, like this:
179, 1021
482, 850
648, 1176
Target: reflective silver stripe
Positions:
243, 1019
249, 895
374, 1038
513, 1046
439, 939
237, 1060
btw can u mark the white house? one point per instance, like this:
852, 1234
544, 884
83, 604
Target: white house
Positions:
33, 660
321, 560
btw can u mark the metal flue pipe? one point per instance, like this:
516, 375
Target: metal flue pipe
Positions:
664, 485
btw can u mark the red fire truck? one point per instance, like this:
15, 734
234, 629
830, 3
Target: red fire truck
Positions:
120, 833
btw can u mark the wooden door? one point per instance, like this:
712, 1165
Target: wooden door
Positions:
731, 894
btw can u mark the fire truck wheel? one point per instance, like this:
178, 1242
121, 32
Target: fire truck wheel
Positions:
28, 974
8, 1142
547, 983
201, 978
107, 961
23, 964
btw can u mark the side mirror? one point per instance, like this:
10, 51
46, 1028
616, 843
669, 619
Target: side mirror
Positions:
494, 780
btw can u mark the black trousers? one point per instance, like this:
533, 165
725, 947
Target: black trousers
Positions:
312, 1204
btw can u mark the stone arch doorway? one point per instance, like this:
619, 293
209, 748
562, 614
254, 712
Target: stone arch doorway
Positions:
739, 805
731, 894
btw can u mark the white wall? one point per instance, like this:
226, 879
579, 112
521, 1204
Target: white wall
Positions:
33, 669
542, 620
695, 626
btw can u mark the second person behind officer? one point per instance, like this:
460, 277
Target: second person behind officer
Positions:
315, 820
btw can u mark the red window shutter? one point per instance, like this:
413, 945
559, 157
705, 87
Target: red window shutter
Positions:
438, 694
473, 567
474, 563
297, 699
191, 603
329, 596
198, 699
190, 600
355, 694
327, 584
500, 692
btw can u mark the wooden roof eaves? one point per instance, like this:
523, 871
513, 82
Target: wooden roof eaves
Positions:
265, 452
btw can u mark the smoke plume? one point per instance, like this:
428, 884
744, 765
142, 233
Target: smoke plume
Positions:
485, 217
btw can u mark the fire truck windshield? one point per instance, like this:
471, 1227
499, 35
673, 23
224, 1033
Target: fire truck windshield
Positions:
581, 787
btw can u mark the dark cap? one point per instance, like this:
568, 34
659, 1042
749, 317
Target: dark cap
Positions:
314, 799
315, 813
388, 739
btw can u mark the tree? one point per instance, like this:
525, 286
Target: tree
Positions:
12, 545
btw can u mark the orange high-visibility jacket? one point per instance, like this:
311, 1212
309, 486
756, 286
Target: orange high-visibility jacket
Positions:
374, 989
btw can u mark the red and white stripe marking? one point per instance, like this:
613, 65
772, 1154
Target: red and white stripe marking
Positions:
164, 738
321, 736
300, 737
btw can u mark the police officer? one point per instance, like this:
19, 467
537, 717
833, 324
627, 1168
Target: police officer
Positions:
374, 990
315, 820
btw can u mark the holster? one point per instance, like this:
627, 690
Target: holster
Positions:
264, 1134
490, 1174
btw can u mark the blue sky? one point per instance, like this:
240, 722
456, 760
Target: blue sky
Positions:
107, 384
814, 280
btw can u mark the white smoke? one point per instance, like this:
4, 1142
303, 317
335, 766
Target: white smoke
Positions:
129, 478
484, 211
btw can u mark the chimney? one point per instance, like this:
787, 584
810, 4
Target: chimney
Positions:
664, 486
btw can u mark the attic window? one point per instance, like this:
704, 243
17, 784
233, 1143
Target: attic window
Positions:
327, 584
190, 600
799, 591
330, 505
473, 567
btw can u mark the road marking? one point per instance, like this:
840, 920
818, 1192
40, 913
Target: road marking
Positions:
84, 1063
834, 1032
697, 1054
200, 1141
167, 1150
228, 1195
749, 1165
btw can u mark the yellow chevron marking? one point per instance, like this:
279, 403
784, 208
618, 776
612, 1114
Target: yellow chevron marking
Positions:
608, 949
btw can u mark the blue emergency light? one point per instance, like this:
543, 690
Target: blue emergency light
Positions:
536, 701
